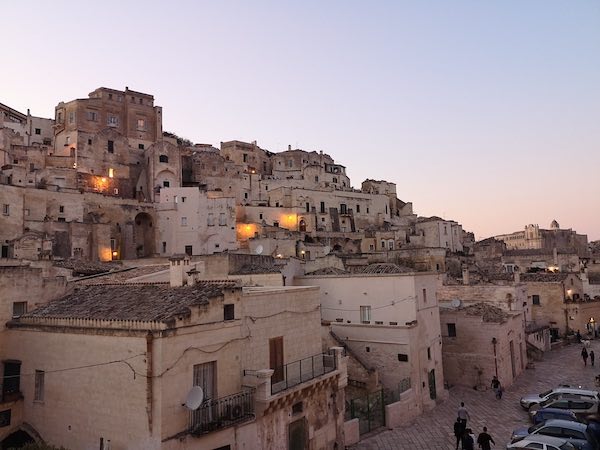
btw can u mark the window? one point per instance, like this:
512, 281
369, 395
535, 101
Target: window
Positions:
245, 195
211, 220
92, 116
445, 230
357, 208
205, 376
424, 295
334, 179
166, 183
89, 142
382, 245
67, 140
72, 117
260, 216
365, 314
47, 141
19, 308
38, 395
245, 157
316, 179
307, 207
141, 101
111, 146
188, 250
183, 199
297, 408
61, 209
141, 146
141, 124
110, 96
38, 131
132, 99
6, 210
222, 219
290, 163
429, 353
163, 159
371, 247
535, 299
229, 312
111, 173
391, 245
402, 357
322, 207
184, 221
164, 247
112, 121
176, 199
451, 330
343, 209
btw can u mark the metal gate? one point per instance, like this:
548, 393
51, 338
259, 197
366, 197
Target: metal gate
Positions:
369, 410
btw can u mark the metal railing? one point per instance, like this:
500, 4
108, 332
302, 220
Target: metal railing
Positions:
221, 413
292, 374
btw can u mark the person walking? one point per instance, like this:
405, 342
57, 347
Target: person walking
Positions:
463, 414
484, 440
459, 430
497, 387
592, 357
468, 440
584, 355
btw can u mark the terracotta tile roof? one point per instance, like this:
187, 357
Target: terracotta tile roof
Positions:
248, 269
328, 271
489, 313
123, 275
381, 268
146, 303
544, 277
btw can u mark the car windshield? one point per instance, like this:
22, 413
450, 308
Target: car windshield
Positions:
535, 427
543, 394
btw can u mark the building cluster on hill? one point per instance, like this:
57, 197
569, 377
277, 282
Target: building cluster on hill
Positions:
156, 294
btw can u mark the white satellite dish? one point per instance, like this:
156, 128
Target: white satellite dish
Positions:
194, 398
326, 250
456, 303
259, 249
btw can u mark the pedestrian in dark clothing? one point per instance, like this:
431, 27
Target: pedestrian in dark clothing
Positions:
592, 357
468, 443
459, 430
497, 387
484, 440
584, 355
578, 336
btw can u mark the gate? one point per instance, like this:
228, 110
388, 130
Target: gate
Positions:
369, 410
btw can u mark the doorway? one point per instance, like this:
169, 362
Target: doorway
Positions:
276, 358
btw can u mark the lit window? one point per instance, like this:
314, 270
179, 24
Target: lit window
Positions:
111, 173
365, 314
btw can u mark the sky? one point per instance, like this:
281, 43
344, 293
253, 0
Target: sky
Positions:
487, 113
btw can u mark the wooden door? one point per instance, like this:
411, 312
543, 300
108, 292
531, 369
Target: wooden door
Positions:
297, 435
276, 358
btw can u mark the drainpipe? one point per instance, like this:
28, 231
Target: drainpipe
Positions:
494, 342
149, 378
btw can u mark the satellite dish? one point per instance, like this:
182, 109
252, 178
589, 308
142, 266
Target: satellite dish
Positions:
194, 398
456, 303
326, 250
259, 249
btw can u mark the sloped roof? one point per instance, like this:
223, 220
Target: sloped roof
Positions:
146, 303
328, 271
381, 268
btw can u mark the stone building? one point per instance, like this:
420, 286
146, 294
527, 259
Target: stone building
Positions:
255, 353
481, 340
195, 222
389, 318
437, 232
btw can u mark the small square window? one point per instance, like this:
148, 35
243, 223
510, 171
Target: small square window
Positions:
19, 308
89, 142
297, 408
38, 131
166, 184
189, 250
229, 311
61, 209
535, 299
402, 357
141, 146
451, 330
183, 199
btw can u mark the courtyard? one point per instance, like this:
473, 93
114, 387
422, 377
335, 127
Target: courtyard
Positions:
434, 430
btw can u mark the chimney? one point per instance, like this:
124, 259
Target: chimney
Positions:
180, 265
289, 147
465, 275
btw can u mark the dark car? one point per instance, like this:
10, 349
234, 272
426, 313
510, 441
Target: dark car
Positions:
544, 414
581, 407
576, 433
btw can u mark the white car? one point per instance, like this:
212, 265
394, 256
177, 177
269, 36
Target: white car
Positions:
533, 399
541, 442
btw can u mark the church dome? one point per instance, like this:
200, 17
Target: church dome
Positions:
554, 225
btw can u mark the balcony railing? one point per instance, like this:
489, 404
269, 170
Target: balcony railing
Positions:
221, 413
292, 374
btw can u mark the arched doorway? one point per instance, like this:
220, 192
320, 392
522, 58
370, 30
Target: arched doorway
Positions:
302, 225
143, 232
16, 440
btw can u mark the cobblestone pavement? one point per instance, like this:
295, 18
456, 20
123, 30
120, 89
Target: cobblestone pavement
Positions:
434, 430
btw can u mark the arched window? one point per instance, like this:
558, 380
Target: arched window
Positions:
163, 158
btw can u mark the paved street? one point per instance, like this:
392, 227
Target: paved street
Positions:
434, 430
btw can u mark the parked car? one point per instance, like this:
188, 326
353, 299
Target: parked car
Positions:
541, 415
541, 442
530, 400
582, 407
575, 432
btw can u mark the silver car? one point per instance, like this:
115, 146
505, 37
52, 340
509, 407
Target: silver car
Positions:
533, 399
541, 442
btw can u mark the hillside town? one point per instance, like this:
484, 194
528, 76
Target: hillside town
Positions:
157, 293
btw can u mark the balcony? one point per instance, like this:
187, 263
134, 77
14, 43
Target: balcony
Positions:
221, 413
297, 372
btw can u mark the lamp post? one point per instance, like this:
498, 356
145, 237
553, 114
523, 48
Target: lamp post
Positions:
494, 342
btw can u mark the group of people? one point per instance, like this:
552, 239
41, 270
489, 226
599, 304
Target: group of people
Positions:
584, 355
465, 436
